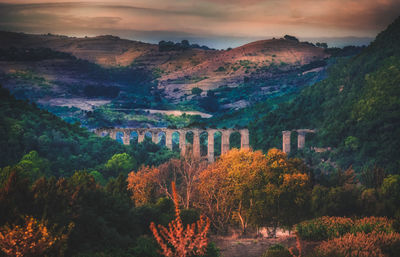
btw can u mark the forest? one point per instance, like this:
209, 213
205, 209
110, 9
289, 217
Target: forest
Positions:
66, 192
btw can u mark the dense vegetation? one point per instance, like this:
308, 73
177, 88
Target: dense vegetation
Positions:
63, 147
356, 109
66, 192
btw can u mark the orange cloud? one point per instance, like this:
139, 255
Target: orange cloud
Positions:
202, 18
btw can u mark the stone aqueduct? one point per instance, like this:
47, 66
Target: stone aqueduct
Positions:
225, 135
301, 138
155, 132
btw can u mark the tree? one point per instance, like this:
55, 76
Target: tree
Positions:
176, 241
184, 173
284, 190
120, 163
197, 91
236, 177
322, 45
149, 183
391, 193
288, 37
35, 166
142, 184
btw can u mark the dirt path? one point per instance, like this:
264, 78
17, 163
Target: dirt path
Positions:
249, 247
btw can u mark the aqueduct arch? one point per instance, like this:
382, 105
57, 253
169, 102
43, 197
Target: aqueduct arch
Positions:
301, 138
141, 132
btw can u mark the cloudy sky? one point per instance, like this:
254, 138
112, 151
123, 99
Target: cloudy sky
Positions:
218, 23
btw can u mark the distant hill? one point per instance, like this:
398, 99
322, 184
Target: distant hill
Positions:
175, 72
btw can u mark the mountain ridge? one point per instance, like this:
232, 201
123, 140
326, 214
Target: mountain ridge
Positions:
152, 76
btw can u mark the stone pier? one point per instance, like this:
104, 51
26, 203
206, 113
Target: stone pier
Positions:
155, 132
210, 147
301, 138
244, 139
196, 144
286, 141
225, 141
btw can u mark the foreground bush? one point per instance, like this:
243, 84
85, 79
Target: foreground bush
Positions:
375, 244
176, 241
277, 250
324, 228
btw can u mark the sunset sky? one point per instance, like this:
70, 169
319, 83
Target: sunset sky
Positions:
217, 23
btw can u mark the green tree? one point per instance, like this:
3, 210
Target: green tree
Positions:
35, 166
197, 91
391, 194
120, 163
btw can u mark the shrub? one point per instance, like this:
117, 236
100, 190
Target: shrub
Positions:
212, 250
375, 244
373, 224
196, 91
146, 247
324, 228
277, 250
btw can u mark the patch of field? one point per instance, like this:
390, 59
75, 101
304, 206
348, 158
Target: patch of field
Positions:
177, 112
80, 103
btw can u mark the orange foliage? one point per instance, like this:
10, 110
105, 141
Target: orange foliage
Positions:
359, 245
215, 197
370, 224
31, 239
226, 187
142, 184
149, 183
176, 241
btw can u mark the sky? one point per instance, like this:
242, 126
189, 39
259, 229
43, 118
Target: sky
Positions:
216, 23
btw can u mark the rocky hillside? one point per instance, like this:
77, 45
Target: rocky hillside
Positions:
178, 71
109, 81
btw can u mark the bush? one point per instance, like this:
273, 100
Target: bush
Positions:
197, 91
373, 224
146, 247
324, 228
212, 250
375, 244
277, 250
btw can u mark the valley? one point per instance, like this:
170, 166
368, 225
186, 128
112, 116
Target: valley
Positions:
74, 76
114, 147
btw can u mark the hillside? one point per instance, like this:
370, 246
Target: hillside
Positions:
64, 148
356, 109
86, 73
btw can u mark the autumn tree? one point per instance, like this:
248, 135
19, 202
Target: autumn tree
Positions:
30, 239
227, 188
142, 184
214, 197
285, 191
177, 241
148, 183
